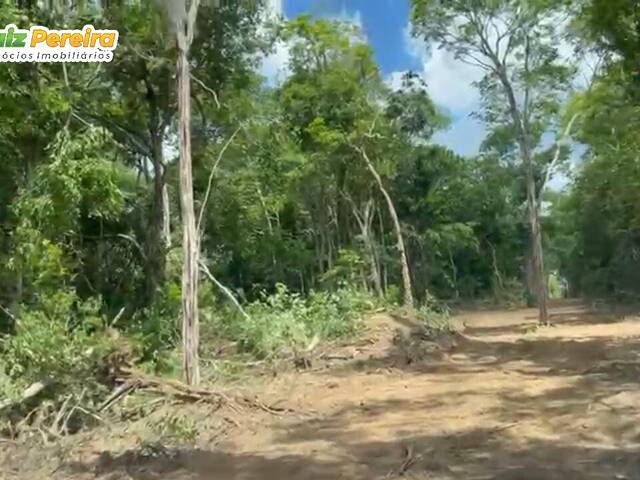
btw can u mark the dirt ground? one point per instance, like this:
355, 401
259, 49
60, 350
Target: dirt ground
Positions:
509, 401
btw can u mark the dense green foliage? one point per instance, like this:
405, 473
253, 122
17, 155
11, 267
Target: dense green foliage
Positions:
292, 221
596, 225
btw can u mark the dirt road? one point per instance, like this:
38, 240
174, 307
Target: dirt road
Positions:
509, 402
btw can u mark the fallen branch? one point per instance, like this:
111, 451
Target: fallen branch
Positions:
55, 430
119, 393
117, 318
186, 393
33, 390
409, 459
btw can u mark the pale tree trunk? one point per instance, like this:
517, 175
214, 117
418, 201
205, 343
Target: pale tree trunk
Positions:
166, 217
533, 214
454, 273
383, 248
537, 255
406, 274
365, 222
190, 243
520, 117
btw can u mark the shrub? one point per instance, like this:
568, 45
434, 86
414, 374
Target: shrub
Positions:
62, 342
511, 294
157, 328
174, 429
285, 321
435, 315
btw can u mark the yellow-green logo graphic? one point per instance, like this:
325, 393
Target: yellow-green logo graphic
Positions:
40, 44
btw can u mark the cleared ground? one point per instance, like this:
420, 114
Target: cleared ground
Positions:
509, 401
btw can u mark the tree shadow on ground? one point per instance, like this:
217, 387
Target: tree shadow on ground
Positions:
483, 347
492, 452
581, 423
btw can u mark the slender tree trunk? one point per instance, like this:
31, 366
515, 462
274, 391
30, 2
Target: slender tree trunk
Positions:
166, 217
530, 276
533, 214
454, 273
382, 253
375, 270
364, 219
536, 251
155, 252
190, 243
406, 274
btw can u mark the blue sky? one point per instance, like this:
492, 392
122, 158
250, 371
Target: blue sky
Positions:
382, 21
385, 24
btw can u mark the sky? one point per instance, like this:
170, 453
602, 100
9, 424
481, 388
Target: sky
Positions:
385, 24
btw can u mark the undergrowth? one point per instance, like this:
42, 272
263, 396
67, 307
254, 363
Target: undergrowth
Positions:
435, 315
285, 322
70, 347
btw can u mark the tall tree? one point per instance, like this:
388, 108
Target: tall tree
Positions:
183, 15
135, 101
515, 44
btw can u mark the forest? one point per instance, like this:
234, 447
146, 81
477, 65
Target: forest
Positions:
172, 217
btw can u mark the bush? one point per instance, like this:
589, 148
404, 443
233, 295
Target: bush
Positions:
284, 321
435, 315
157, 328
62, 342
512, 294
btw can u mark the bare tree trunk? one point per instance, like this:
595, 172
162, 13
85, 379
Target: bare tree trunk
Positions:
496, 268
166, 217
536, 251
190, 243
364, 219
521, 124
381, 253
454, 273
155, 255
406, 274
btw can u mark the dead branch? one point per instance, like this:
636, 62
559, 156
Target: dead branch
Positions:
117, 318
186, 393
210, 180
119, 393
224, 289
8, 313
33, 390
55, 430
550, 170
409, 459
207, 89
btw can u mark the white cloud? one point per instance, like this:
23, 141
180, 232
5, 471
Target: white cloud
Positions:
450, 83
354, 17
464, 136
275, 7
275, 66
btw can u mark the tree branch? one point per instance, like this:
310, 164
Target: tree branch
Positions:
191, 20
207, 89
8, 313
210, 181
556, 158
224, 289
